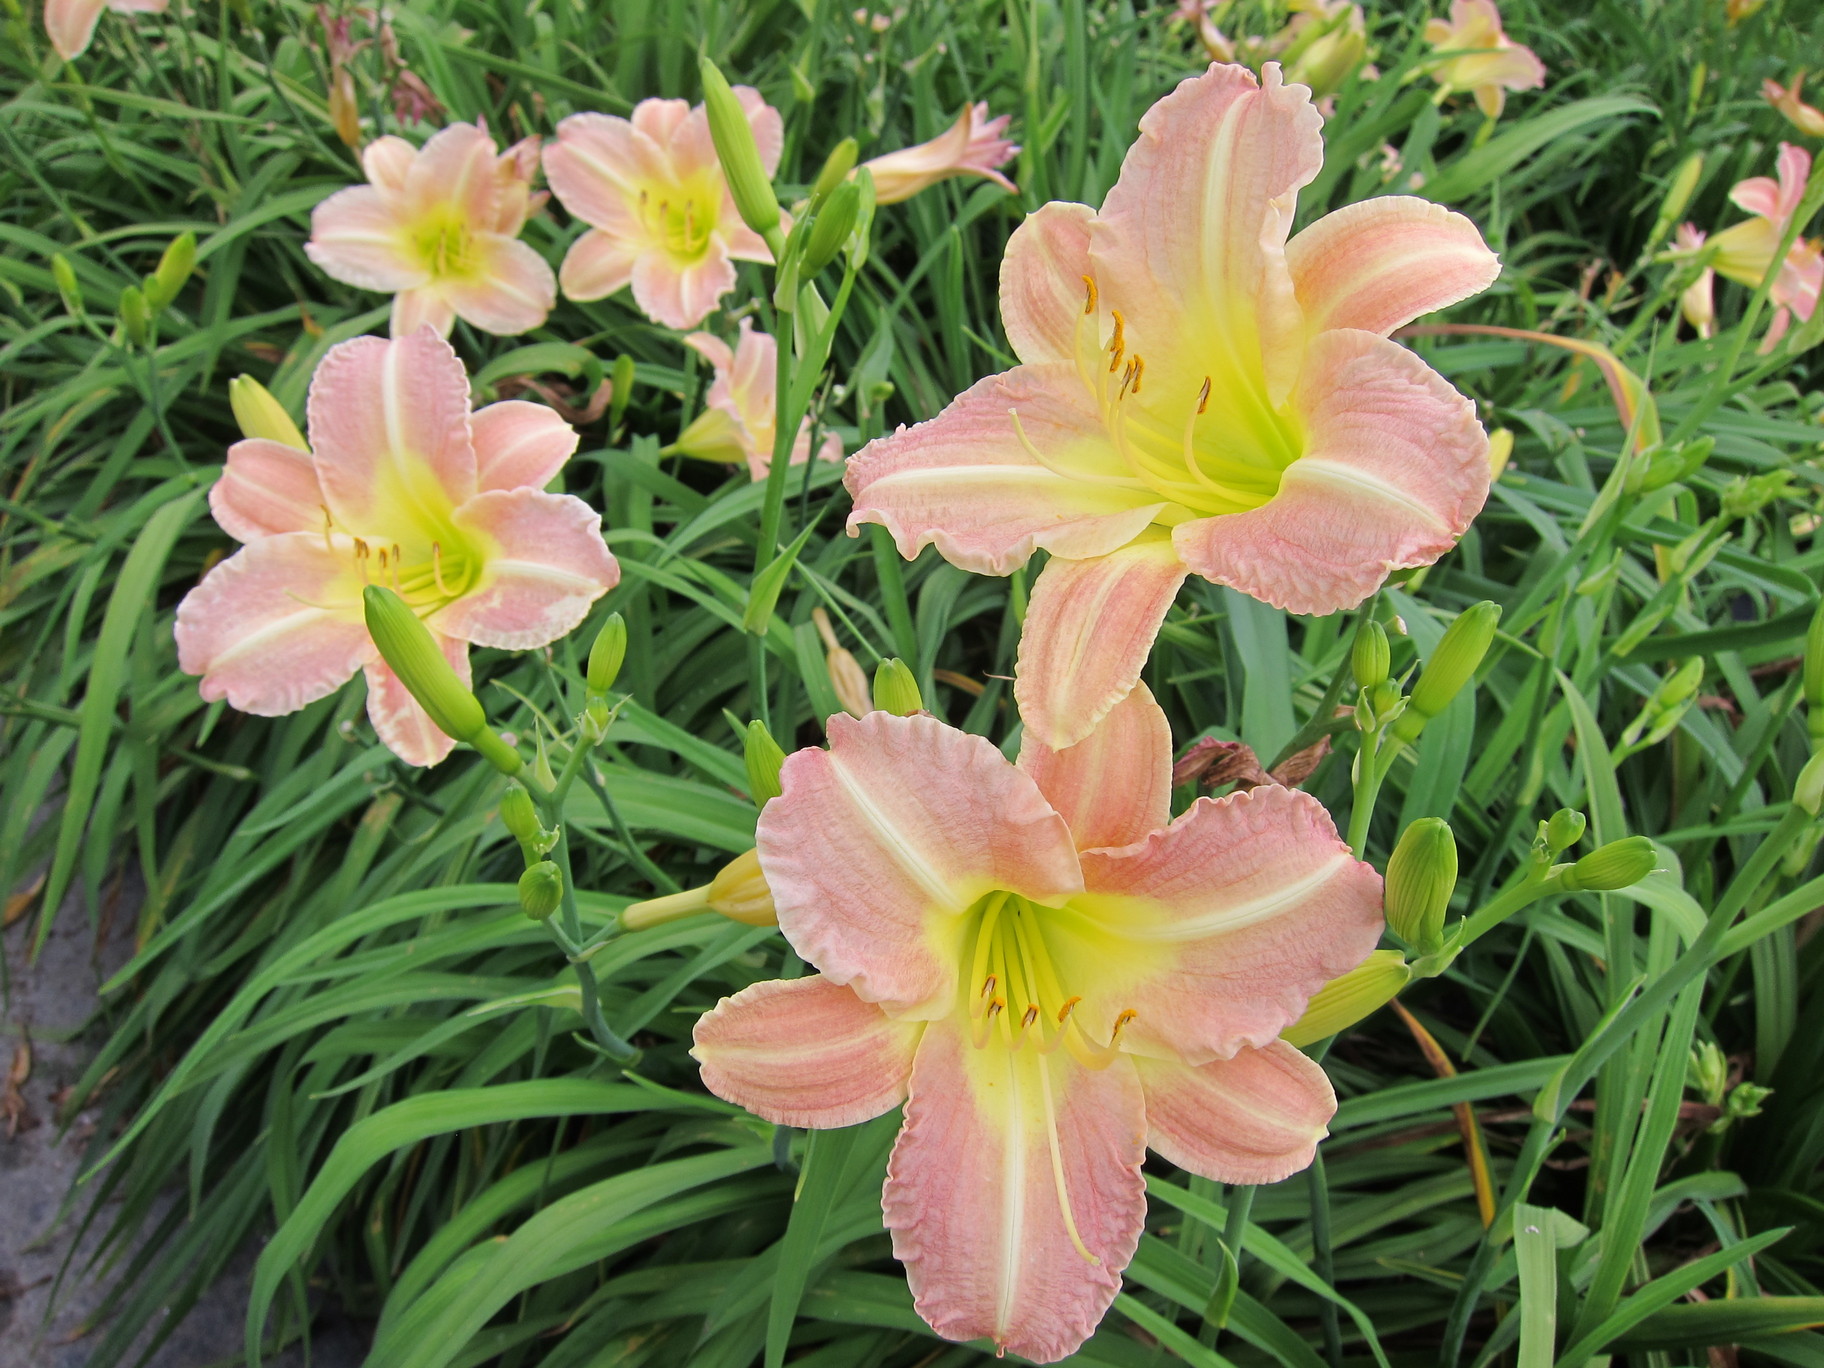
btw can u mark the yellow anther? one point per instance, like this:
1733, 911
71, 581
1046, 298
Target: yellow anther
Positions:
1139, 370
1203, 395
988, 986
1089, 304
1065, 1011
1032, 1015
1117, 343
1120, 1021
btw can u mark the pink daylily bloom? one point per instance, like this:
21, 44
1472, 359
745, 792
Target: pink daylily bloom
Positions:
660, 212
70, 24
1053, 976
1198, 395
1745, 251
1806, 118
438, 229
402, 486
1483, 59
1698, 301
972, 146
742, 404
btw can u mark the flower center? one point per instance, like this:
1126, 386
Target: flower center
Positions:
445, 245
679, 218
428, 575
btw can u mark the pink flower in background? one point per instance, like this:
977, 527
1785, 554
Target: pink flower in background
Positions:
402, 486
1802, 116
1053, 976
972, 146
660, 213
1483, 59
438, 229
1197, 395
1698, 301
70, 24
1745, 251
740, 420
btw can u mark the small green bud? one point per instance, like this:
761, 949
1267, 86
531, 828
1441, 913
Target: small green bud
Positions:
763, 758
1615, 865
135, 318
1452, 666
1814, 677
1678, 197
832, 228
67, 284
1342, 1002
1677, 463
541, 890
620, 390
258, 414
1564, 829
174, 269
1421, 875
739, 154
1371, 657
1707, 1072
606, 655
1808, 792
1744, 1101
836, 168
895, 690
520, 818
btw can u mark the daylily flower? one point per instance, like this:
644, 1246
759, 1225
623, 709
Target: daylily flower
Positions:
660, 213
1324, 44
1802, 116
438, 228
1483, 59
1197, 395
742, 409
70, 24
1052, 976
1745, 251
402, 486
972, 146
1698, 301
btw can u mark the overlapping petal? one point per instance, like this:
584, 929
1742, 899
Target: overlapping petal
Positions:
681, 296
519, 445
265, 489
401, 723
543, 562
355, 237
1114, 786
1253, 1118
1045, 277
1379, 264
512, 291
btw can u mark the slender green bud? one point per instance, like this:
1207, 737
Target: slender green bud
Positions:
895, 690
1564, 829
520, 818
620, 391
67, 284
1371, 657
1615, 865
1678, 197
406, 644
541, 890
606, 655
764, 758
1452, 666
1421, 875
135, 318
258, 414
1342, 1002
1814, 677
174, 269
1808, 792
832, 228
1707, 1072
739, 154
836, 168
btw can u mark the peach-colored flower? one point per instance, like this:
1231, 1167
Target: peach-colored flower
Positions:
438, 229
1052, 976
1197, 394
402, 486
659, 208
1744, 252
1480, 57
1802, 116
1698, 301
739, 421
972, 146
70, 24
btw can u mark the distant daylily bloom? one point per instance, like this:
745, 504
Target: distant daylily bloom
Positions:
1737, 10
742, 406
660, 213
1744, 252
1052, 976
70, 24
438, 229
972, 146
1324, 44
1698, 301
402, 486
1481, 58
1802, 116
1197, 395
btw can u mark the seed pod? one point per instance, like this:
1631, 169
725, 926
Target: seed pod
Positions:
739, 154
541, 890
606, 655
1615, 865
763, 758
1342, 1002
895, 690
260, 415
1421, 875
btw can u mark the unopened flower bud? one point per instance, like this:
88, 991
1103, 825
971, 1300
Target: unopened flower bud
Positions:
740, 893
1371, 657
1342, 1002
1452, 666
847, 678
1563, 829
739, 154
831, 230
344, 108
1500, 450
1677, 463
620, 390
1615, 865
895, 690
1808, 792
135, 318
836, 168
67, 285
260, 415
606, 655
174, 269
541, 890
1421, 875
407, 646
1707, 1072
1678, 197
711, 436
520, 818
1814, 678
763, 758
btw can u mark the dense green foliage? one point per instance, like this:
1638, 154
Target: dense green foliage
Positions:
340, 1027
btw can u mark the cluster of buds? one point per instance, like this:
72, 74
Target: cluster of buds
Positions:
1381, 706
139, 305
1665, 707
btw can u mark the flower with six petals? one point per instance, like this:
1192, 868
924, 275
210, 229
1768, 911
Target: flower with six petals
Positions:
1744, 252
1196, 394
1480, 57
1052, 976
972, 146
741, 410
402, 486
660, 213
438, 229
70, 24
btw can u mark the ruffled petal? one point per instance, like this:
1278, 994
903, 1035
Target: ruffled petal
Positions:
1042, 282
966, 482
596, 165
1395, 468
1255, 1118
1379, 264
1114, 786
356, 237
404, 727
805, 1052
1217, 930
428, 306
519, 445
389, 426
265, 489
1089, 629
70, 25
543, 563
386, 161
881, 842
681, 296
512, 293
973, 1192
275, 626
597, 265
455, 168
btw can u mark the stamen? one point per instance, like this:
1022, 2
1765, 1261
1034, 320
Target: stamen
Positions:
1057, 1164
1067, 472
1129, 378
1065, 1011
329, 524
397, 557
1126, 1016
1089, 305
1139, 370
437, 569
361, 558
1116, 343
1203, 395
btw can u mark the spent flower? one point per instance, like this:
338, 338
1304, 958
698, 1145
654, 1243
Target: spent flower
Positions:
972, 146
